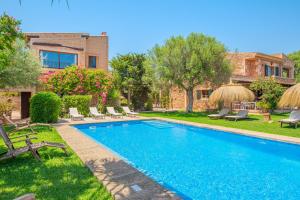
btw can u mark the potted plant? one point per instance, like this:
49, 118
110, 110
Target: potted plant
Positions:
265, 108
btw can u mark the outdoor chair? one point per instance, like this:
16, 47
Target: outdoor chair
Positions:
293, 119
75, 115
94, 113
222, 113
30, 147
242, 114
128, 112
19, 125
111, 111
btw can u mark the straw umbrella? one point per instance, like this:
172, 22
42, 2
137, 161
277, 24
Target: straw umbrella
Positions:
291, 97
231, 93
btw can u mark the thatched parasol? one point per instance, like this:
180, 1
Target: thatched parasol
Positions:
291, 97
231, 93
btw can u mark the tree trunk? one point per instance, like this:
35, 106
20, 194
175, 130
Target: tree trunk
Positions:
129, 98
190, 96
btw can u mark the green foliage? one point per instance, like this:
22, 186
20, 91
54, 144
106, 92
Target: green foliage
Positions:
149, 105
45, 107
23, 68
76, 81
188, 62
81, 102
9, 32
133, 78
295, 56
18, 65
270, 92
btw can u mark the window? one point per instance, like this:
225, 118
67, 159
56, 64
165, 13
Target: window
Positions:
57, 60
203, 94
268, 70
277, 71
92, 61
285, 73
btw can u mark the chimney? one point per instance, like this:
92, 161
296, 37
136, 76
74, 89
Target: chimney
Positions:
103, 34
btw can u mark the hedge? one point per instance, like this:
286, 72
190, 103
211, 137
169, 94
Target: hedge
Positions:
45, 107
81, 102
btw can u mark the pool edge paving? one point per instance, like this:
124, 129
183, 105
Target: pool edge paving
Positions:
120, 179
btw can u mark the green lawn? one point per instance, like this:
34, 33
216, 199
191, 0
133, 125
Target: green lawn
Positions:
255, 123
57, 177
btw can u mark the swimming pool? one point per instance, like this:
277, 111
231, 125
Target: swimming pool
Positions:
200, 163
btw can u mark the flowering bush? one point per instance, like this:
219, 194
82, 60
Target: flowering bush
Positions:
76, 81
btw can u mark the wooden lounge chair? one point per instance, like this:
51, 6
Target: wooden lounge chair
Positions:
75, 115
111, 111
23, 124
242, 114
30, 147
222, 113
128, 112
293, 119
94, 113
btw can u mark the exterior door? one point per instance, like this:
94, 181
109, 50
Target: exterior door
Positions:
25, 104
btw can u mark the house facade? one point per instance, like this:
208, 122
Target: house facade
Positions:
247, 67
59, 50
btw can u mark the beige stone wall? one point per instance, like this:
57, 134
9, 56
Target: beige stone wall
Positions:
77, 43
247, 67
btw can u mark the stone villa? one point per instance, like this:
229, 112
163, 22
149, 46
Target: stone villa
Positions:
247, 67
59, 50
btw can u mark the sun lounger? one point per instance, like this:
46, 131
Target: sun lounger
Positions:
30, 147
242, 114
293, 119
111, 111
128, 112
221, 114
75, 115
94, 113
19, 125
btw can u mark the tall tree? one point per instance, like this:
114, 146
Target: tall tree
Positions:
295, 56
9, 32
18, 65
23, 67
191, 61
133, 78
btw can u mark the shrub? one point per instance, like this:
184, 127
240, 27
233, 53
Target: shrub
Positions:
149, 105
6, 106
45, 107
81, 102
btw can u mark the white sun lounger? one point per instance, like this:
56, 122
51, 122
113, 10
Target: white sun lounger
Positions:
242, 114
75, 115
221, 114
94, 113
128, 112
111, 111
294, 119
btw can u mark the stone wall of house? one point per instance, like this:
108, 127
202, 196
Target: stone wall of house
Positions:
77, 43
247, 67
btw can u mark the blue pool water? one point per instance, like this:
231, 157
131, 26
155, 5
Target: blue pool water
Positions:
199, 163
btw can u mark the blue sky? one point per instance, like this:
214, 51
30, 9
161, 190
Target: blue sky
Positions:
136, 26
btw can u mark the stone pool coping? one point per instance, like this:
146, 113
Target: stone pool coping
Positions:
117, 175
